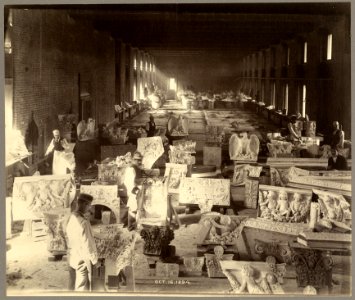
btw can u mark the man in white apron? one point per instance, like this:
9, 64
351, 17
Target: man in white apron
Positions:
61, 161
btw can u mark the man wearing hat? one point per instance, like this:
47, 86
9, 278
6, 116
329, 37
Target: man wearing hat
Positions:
82, 252
132, 175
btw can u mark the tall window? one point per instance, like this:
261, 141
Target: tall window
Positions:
150, 67
153, 68
141, 91
288, 56
273, 94
305, 52
141, 65
172, 84
134, 92
135, 63
303, 100
329, 46
146, 66
286, 98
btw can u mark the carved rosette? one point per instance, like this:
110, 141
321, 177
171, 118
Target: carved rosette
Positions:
156, 240
312, 268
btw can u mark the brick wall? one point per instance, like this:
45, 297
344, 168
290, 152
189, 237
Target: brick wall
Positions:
50, 50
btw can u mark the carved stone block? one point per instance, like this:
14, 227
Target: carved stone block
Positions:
151, 148
156, 240
193, 265
212, 156
166, 270
205, 192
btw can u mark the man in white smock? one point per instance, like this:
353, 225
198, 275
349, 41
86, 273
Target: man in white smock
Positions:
82, 252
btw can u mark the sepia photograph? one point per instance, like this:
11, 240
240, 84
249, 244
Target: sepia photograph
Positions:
177, 149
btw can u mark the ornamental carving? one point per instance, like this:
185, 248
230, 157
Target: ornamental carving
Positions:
278, 249
193, 265
156, 240
312, 268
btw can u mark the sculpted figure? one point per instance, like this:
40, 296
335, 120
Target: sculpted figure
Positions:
283, 206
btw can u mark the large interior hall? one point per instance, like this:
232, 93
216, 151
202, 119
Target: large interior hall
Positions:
178, 149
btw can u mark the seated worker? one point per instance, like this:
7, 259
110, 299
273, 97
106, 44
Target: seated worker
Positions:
337, 136
337, 161
292, 134
171, 126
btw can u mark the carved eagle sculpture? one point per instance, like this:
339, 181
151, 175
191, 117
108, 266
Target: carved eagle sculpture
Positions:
240, 147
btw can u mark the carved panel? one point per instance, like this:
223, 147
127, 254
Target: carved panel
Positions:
156, 240
205, 192
284, 204
193, 265
55, 221
221, 229
251, 193
334, 208
167, 270
293, 229
308, 181
180, 157
280, 149
151, 148
154, 202
37, 194
186, 146
213, 265
175, 172
242, 171
110, 173
117, 244
253, 277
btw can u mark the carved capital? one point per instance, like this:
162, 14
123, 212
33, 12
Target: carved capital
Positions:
274, 248
312, 268
156, 239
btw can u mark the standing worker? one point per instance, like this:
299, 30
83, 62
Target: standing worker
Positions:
58, 145
82, 252
150, 127
131, 181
